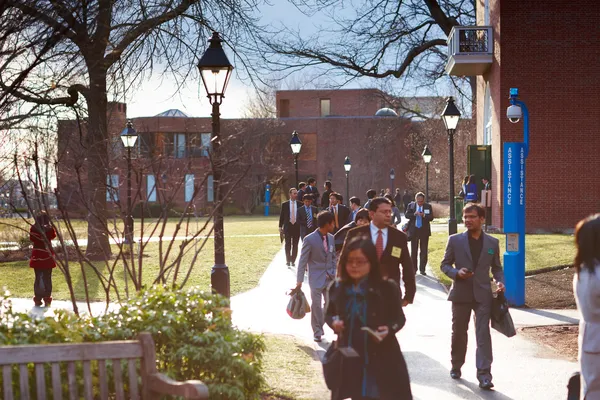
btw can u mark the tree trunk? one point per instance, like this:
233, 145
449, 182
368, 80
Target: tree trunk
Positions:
98, 247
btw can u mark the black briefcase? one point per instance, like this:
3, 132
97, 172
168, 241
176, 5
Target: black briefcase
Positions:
343, 370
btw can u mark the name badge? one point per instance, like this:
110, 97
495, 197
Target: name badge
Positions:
396, 252
427, 211
491, 251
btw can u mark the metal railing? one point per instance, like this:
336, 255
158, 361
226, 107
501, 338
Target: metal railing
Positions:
471, 40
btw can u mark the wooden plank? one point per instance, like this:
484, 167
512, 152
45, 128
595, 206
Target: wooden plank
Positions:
147, 364
87, 381
56, 386
118, 375
24, 381
40, 381
69, 352
7, 382
72, 379
133, 380
103, 380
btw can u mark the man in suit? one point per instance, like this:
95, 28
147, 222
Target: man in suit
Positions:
371, 193
361, 218
406, 199
468, 259
318, 255
307, 216
289, 225
325, 203
419, 215
312, 189
354, 207
340, 212
391, 245
301, 191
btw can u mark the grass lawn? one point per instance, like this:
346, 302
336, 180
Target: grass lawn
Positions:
292, 369
247, 258
541, 251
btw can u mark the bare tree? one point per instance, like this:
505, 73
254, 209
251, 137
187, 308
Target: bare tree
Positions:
68, 53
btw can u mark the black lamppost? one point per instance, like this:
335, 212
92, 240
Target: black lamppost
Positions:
451, 116
296, 146
129, 138
426, 159
347, 167
215, 70
392, 177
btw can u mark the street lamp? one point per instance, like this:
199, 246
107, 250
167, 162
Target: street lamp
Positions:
347, 167
296, 146
215, 70
451, 116
426, 159
129, 138
392, 177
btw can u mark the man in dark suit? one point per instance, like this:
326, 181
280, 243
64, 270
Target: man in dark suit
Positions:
290, 226
468, 260
354, 207
307, 216
371, 193
340, 212
301, 191
311, 188
419, 215
406, 199
325, 203
391, 245
361, 218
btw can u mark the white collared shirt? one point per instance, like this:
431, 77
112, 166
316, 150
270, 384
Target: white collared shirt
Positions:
293, 205
374, 233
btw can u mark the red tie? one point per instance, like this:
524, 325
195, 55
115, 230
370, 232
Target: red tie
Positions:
379, 244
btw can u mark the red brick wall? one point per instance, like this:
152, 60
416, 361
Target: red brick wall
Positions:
346, 102
552, 55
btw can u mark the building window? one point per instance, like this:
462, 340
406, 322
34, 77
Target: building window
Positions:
325, 107
210, 189
189, 187
487, 116
112, 188
179, 145
284, 108
486, 12
151, 188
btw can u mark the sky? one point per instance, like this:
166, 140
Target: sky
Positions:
157, 95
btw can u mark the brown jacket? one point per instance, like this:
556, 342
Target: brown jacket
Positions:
390, 264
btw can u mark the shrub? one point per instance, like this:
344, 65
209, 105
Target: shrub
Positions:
192, 330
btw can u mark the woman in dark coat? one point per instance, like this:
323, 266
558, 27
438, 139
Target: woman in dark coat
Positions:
359, 298
42, 259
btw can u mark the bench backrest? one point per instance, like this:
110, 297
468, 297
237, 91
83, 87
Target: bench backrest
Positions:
100, 363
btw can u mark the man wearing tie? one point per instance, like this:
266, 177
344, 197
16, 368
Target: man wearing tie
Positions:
311, 188
318, 254
289, 225
391, 245
307, 217
326, 194
340, 212
354, 207
419, 215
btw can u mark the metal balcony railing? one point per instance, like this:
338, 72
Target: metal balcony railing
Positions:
470, 50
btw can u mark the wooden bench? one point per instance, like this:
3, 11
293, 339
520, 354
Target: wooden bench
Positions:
136, 357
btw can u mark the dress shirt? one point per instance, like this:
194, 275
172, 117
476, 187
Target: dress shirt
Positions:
294, 210
374, 233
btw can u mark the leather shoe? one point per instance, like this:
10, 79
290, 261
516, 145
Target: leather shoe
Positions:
486, 384
423, 273
317, 339
455, 373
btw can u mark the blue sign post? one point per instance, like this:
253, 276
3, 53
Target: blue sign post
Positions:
515, 155
267, 199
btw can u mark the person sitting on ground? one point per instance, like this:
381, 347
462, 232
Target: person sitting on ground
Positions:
42, 258
360, 287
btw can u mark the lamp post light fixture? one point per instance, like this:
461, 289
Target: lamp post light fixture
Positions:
347, 166
129, 137
392, 177
451, 116
215, 70
296, 146
426, 159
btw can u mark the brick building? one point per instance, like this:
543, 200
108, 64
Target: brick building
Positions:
550, 50
171, 157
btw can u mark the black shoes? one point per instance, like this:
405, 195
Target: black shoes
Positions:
289, 264
455, 373
423, 273
486, 384
317, 339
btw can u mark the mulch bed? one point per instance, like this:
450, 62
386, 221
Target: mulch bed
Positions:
550, 290
560, 341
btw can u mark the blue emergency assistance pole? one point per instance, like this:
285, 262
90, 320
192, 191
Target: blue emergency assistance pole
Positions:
515, 155
267, 199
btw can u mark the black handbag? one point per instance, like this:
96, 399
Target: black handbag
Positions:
501, 319
343, 370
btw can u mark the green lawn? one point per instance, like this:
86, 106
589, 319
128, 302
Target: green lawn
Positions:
540, 251
247, 258
292, 369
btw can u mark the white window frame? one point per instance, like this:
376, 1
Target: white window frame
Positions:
151, 188
327, 104
210, 189
179, 141
206, 143
487, 116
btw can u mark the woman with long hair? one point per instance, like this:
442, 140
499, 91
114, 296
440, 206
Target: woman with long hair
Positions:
42, 258
586, 286
366, 313
471, 190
